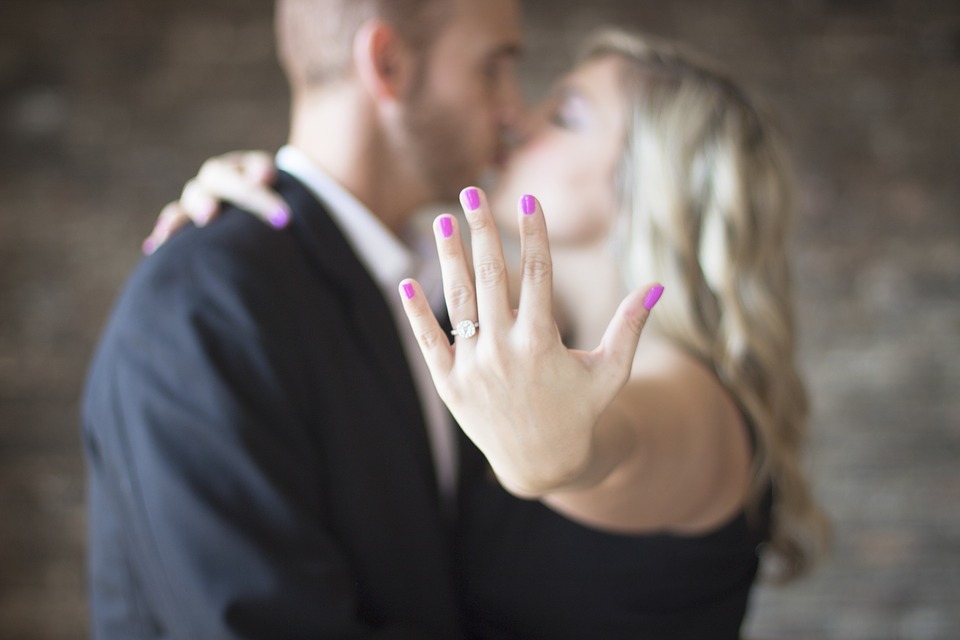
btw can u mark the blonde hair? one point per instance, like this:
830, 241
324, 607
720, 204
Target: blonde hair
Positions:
706, 202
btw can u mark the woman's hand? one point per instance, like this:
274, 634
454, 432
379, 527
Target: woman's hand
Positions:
242, 178
529, 403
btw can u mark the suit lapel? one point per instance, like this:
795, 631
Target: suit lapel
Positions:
371, 318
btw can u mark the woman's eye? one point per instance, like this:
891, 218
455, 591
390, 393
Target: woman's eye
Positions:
568, 113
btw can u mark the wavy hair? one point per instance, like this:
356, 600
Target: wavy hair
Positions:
706, 196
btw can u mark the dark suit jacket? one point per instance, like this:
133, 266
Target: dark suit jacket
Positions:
258, 463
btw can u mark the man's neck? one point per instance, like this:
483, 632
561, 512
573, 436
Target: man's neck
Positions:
340, 134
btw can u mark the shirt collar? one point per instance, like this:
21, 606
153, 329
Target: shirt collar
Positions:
384, 256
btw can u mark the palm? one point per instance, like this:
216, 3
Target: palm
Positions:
529, 403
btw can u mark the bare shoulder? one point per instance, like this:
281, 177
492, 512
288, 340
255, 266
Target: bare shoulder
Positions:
685, 467
687, 387
696, 433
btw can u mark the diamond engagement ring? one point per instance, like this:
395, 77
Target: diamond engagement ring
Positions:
466, 329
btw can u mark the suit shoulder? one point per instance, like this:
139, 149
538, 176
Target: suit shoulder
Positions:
237, 250
235, 242
236, 267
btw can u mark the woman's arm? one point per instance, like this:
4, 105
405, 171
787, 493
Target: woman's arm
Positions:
617, 439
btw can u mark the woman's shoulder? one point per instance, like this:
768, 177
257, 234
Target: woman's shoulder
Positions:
695, 417
687, 384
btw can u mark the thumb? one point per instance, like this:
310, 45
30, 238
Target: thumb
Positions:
619, 343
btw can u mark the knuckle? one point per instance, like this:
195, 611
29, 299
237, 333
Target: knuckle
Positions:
537, 269
215, 171
635, 322
252, 159
261, 169
540, 339
208, 169
460, 296
490, 272
479, 222
429, 338
189, 189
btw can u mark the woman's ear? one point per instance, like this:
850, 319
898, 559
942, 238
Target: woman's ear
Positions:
383, 61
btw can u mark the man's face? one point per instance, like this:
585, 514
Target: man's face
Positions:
468, 99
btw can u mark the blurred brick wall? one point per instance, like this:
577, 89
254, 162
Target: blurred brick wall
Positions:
107, 106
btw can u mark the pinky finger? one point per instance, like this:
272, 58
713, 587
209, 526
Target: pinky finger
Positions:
171, 219
433, 341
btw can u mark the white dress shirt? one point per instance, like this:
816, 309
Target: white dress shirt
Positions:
389, 260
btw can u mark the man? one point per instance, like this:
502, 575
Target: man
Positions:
263, 463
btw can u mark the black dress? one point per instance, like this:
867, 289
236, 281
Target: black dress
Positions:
528, 572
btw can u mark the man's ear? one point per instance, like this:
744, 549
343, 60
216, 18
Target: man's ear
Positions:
383, 61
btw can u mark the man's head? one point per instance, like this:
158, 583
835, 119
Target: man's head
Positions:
316, 37
438, 75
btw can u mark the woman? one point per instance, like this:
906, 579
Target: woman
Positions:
654, 488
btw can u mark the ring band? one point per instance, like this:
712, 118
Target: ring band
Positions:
466, 329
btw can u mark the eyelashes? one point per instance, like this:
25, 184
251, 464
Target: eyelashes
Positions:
569, 111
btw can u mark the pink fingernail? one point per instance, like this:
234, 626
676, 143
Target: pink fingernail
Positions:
653, 296
149, 246
409, 291
528, 204
471, 198
446, 226
280, 218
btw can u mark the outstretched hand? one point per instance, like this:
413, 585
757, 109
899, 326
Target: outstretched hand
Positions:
529, 403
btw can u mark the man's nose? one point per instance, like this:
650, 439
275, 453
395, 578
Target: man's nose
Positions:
514, 115
520, 129
512, 105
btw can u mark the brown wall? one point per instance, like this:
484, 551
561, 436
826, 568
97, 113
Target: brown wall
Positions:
107, 106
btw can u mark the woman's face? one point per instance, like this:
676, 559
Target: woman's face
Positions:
569, 156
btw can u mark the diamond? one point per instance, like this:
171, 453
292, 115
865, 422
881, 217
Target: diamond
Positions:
466, 329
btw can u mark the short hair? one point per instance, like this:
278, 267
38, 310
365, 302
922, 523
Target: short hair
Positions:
315, 37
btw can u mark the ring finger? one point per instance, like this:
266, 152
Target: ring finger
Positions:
458, 289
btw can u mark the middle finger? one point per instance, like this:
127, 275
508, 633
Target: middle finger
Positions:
492, 290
